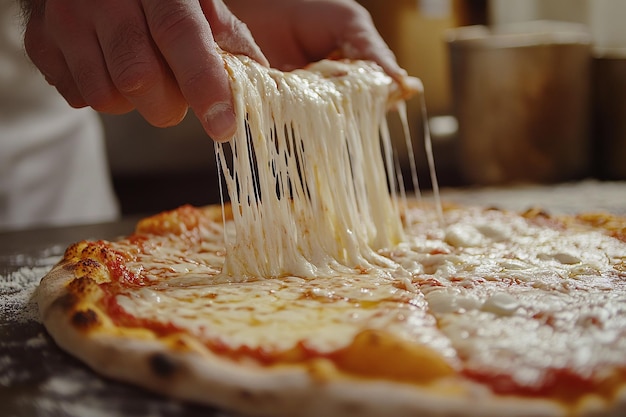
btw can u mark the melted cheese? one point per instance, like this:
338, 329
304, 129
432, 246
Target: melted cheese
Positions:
521, 299
306, 174
277, 315
492, 292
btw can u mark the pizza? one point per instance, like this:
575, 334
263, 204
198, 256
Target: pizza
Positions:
322, 289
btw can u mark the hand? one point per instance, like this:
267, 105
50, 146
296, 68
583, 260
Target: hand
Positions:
160, 57
156, 56
294, 33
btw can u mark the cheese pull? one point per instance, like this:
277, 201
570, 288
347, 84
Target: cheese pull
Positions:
310, 172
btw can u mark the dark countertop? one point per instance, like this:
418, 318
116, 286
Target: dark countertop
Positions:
38, 379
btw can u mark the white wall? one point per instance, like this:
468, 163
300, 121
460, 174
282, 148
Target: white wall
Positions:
605, 18
509, 11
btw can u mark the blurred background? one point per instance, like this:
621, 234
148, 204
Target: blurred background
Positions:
510, 101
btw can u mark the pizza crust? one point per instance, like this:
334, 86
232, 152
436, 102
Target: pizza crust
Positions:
288, 390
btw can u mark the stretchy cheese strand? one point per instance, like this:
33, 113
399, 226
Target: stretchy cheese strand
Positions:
312, 187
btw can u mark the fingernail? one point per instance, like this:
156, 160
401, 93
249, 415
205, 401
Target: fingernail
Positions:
220, 123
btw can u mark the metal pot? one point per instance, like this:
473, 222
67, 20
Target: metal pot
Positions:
609, 68
521, 95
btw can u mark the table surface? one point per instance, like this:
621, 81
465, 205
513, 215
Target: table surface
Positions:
38, 379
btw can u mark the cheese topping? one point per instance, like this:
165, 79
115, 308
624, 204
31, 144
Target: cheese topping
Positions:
494, 293
306, 174
521, 299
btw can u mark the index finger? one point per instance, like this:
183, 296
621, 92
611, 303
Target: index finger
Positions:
364, 42
183, 35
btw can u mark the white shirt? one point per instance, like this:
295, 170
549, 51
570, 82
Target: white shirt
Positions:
53, 168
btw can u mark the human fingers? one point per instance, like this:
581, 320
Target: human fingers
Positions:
76, 40
90, 62
361, 40
339, 28
49, 59
230, 33
183, 36
366, 49
136, 68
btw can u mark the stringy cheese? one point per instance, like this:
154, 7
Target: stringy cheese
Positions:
306, 175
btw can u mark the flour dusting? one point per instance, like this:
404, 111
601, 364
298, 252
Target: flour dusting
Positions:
17, 288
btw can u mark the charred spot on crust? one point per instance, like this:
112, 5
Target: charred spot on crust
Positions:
88, 265
67, 301
81, 286
74, 250
162, 365
85, 319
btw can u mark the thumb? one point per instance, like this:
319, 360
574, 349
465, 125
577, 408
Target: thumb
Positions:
230, 33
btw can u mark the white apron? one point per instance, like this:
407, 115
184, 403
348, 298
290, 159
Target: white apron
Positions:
53, 168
